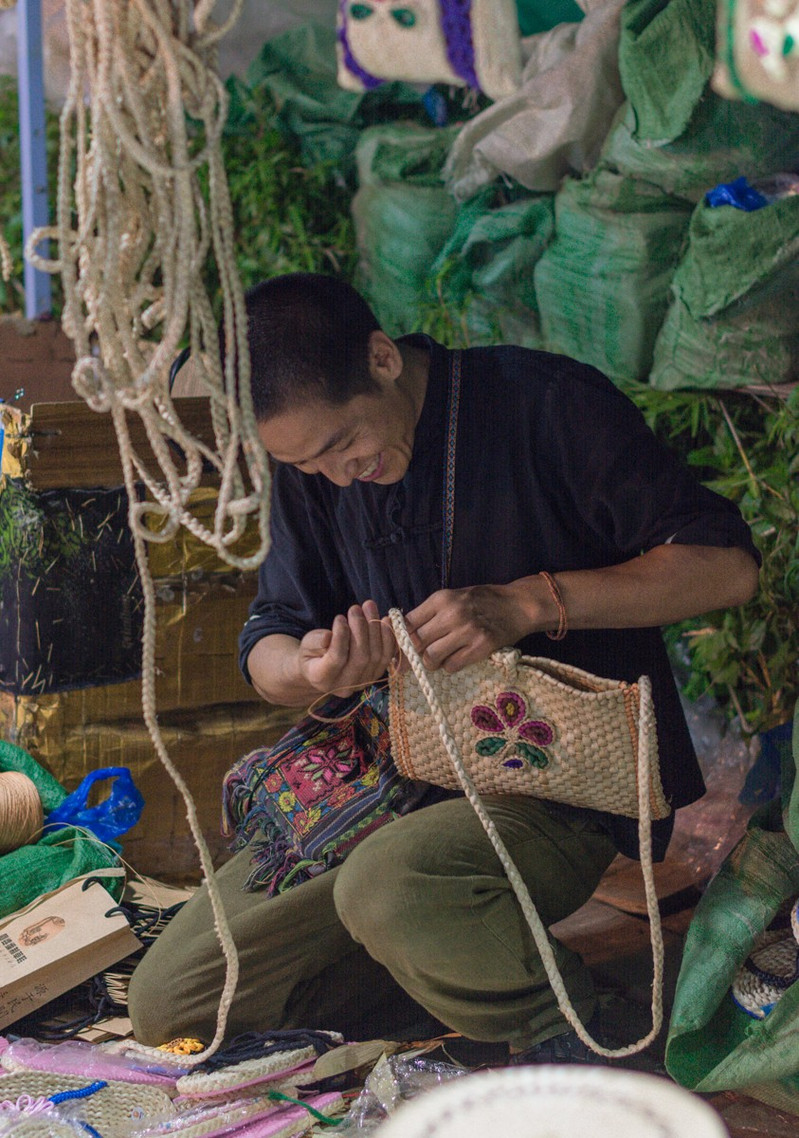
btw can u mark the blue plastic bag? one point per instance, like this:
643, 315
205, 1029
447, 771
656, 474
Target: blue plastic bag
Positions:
109, 819
738, 193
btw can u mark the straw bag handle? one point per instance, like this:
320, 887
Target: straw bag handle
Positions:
645, 732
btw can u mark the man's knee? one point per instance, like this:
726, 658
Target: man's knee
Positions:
371, 892
148, 998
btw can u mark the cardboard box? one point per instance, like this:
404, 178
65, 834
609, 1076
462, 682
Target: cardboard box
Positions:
57, 942
73, 733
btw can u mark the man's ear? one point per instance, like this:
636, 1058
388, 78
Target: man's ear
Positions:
385, 358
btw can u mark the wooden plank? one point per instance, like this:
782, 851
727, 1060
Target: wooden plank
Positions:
622, 886
71, 445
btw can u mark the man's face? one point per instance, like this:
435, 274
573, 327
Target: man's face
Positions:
367, 439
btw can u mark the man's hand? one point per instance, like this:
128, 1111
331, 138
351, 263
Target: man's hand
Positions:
355, 652
327, 661
456, 627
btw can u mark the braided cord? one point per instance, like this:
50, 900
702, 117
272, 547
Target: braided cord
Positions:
646, 730
143, 208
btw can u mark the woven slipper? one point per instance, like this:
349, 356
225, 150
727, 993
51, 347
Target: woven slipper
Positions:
271, 1058
84, 1060
41, 1126
258, 1117
113, 1110
286, 1069
770, 969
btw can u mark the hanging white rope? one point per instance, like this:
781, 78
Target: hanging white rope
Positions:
143, 207
6, 262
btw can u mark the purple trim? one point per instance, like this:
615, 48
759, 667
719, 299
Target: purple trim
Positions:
351, 63
456, 26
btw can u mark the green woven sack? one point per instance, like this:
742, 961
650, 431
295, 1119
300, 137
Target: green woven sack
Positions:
299, 69
403, 215
486, 268
723, 140
657, 41
734, 317
602, 286
682, 136
58, 856
712, 1045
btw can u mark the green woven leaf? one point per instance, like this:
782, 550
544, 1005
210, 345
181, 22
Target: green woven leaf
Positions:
490, 746
533, 755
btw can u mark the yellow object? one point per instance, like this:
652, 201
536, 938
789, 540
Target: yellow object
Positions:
182, 1046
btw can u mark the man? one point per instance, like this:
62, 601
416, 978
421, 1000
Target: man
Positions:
574, 534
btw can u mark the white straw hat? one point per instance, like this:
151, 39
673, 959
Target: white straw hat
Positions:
553, 1101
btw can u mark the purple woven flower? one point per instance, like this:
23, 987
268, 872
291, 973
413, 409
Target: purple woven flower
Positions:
510, 734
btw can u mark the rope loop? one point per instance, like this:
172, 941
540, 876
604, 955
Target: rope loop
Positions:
142, 207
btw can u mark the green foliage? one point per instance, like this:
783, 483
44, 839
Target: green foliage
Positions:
746, 448
12, 293
287, 217
31, 537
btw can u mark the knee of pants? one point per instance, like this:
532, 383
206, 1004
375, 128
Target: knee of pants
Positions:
146, 1005
372, 894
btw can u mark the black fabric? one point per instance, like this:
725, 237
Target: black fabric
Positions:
555, 470
71, 606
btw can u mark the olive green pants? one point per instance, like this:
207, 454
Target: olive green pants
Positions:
421, 913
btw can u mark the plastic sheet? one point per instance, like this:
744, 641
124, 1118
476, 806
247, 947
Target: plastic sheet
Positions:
706, 831
392, 1081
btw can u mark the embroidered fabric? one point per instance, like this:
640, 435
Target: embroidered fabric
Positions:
303, 804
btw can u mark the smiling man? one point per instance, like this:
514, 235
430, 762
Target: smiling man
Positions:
526, 504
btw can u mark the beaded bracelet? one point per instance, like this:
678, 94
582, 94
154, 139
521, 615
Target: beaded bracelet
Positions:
563, 624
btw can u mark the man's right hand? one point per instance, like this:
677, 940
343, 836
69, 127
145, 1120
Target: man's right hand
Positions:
356, 651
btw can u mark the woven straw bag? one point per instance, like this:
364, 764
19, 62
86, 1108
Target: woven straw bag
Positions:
529, 725
519, 724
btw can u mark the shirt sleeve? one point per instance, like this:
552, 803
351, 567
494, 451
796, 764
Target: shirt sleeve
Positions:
623, 482
301, 584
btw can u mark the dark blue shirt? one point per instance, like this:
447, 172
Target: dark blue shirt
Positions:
555, 469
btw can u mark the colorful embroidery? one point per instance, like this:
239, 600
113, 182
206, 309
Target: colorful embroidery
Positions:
303, 803
511, 734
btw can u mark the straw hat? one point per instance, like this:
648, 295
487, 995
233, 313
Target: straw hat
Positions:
553, 1101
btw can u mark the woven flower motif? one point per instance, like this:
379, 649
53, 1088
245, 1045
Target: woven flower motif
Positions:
328, 764
512, 737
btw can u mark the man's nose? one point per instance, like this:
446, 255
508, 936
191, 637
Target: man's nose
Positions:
340, 471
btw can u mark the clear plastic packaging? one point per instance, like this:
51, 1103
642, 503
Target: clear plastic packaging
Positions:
393, 1080
706, 831
75, 1057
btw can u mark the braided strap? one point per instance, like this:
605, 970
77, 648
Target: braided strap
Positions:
646, 733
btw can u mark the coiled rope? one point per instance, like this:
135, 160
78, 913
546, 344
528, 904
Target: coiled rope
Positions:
136, 229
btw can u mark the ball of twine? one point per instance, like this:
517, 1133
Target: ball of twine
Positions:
21, 814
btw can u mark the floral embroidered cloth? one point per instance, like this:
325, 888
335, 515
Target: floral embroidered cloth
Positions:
305, 802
